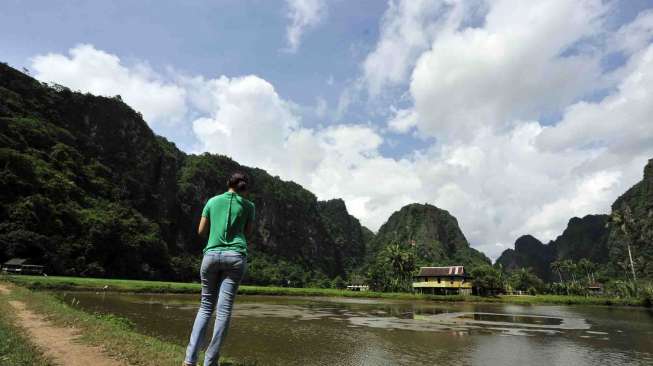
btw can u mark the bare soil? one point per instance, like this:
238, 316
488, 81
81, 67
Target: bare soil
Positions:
59, 343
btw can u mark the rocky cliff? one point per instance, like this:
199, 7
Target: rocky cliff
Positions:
89, 189
432, 232
632, 222
529, 253
600, 238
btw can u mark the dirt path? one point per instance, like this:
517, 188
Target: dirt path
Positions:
59, 343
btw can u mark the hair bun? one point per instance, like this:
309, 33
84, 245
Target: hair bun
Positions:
241, 186
238, 182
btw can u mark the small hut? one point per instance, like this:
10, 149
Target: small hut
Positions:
595, 288
21, 266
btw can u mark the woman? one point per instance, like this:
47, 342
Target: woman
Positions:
229, 218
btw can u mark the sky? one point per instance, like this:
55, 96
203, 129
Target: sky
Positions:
514, 116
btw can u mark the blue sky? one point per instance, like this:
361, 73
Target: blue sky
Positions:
514, 116
210, 38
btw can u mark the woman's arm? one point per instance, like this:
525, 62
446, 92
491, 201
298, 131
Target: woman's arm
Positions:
249, 230
204, 226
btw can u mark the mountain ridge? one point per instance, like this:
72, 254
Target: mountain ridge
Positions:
599, 238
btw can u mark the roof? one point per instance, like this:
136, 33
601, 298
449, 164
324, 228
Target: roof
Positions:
451, 271
15, 262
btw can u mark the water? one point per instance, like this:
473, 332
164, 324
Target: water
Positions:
277, 330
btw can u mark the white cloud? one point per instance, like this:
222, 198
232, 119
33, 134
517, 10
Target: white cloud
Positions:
406, 30
249, 121
403, 120
303, 15
478, 91
91, 70
518, 65
635, 35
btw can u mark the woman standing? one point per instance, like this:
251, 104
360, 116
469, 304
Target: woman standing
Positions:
229, 219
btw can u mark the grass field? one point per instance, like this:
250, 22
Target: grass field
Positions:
99, 284
113, 333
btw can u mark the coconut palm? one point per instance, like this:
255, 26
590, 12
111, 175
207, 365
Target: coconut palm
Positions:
556, 266
570, 268
624, 221
586, 266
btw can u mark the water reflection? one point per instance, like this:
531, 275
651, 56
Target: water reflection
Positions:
333, 331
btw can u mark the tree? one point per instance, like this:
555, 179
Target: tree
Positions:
393, 269
586, 266
525, 280
624, 221
557, 267
487, 280
570, 268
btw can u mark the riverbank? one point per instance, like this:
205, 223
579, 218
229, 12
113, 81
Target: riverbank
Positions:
116, 285
115, 336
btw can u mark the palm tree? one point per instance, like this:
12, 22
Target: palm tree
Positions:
626, 224
586, 266
402, 263
571, 268
557, 267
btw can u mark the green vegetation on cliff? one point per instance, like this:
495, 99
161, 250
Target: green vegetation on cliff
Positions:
432, 234
88, 189
597, 241
631, 225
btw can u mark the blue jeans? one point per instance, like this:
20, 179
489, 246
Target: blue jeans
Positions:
221, 273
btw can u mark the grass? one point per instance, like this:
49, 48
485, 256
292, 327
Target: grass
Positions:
99, 284
15, 348
114, 334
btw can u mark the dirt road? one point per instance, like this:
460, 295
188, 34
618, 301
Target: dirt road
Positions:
59, 343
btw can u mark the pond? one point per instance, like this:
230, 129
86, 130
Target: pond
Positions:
277, 330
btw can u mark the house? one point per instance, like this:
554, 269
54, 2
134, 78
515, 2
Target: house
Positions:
20, 266
443, 281
595, 288
358, 287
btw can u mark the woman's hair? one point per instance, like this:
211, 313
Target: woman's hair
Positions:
238, 182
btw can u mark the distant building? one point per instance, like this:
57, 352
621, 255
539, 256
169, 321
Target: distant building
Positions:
443, 281
358, 288
20, 266
595, 288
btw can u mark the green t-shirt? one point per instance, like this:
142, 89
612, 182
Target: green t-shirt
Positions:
228, 216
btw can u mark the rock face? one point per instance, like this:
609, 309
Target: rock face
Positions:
635, 209
433, 232
584, 238
349, 236
89, 189
601, 238
529, 253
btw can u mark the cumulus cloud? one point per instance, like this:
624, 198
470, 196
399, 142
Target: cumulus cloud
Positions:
620, 123
478, 86
303, 15
88, 69
407, 29
523, 62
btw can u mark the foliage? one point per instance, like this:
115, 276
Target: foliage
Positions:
88, 189
487, 280
525, 280
98, 284
431, 234
393, 269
